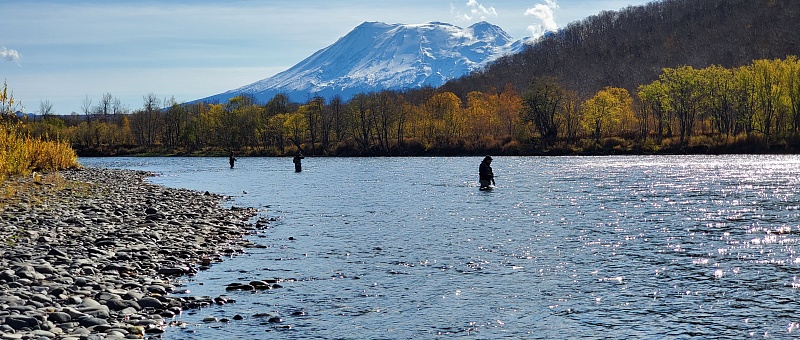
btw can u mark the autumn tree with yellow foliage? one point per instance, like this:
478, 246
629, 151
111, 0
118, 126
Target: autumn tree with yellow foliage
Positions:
20, 154
609, 113
752, 108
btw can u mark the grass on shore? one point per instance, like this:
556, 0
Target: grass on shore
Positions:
21, 155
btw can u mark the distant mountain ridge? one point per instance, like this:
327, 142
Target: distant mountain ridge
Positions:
377, 56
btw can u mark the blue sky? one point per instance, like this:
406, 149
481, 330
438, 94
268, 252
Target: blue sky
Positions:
63, 51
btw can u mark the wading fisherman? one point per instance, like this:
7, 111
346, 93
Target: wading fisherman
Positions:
297, 162
486, 176
231, 159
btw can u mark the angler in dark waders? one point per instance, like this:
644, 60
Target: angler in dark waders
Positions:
485, 173
298, 166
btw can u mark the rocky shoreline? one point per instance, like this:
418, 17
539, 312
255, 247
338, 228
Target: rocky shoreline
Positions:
92, 253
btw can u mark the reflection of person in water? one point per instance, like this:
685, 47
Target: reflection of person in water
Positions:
486, 176
297, 162
231, 159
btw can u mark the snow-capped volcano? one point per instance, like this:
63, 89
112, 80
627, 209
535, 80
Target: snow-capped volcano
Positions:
376, 56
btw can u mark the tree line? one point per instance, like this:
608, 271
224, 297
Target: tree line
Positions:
631, 46
668, 76
751, 108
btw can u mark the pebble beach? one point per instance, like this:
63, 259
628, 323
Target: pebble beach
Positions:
94, 253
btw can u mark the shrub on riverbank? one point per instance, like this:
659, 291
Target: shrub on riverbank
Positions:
20, 154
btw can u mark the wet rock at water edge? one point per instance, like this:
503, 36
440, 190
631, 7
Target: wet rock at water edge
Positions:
240, 286
221, 300
178, 271
260, 285
167, 314
154, 330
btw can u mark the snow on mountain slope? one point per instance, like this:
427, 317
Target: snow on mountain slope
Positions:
376, 56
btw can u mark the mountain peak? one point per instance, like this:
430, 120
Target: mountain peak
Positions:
373, 24
482, 24
378, 56
439, 23
484, 30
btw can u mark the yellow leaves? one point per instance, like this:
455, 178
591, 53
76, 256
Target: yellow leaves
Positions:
443, 116
609, 111
762, 97
444, 104
278, 121
509, 106
6, 102
482, 113
295, 124
653, 94
19, 155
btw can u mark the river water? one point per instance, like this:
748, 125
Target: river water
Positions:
563, 247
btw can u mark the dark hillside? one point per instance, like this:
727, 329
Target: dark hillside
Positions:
630, 47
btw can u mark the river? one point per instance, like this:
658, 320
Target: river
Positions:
563, 247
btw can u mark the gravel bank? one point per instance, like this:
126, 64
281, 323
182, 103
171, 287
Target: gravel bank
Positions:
91, 253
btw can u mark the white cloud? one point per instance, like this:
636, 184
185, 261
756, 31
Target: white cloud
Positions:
544, 13
474, 11
9, 55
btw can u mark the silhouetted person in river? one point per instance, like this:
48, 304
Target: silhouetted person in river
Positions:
232, 159
485, 173
297, 162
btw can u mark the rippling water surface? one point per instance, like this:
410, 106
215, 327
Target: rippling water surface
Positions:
568, 247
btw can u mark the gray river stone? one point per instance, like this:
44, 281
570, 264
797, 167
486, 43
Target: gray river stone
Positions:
59, 317
90, 321
150, 302
19, 322
90, 253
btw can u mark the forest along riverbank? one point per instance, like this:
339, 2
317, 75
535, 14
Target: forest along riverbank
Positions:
94, 251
